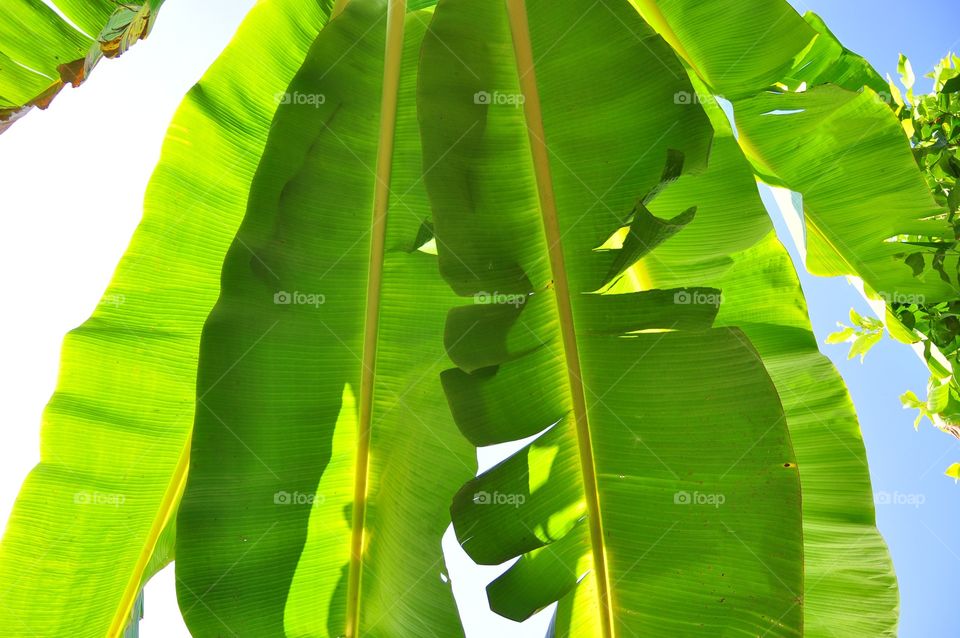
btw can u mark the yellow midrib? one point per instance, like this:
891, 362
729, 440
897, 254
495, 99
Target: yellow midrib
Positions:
388, 119
523, 51
168, 506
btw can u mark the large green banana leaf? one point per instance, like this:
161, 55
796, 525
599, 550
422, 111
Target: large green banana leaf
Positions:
584, 502
663, 496
850, 589
826, 131
95, 519
680, 406
845, 185
41, 52
324, 455
830, 130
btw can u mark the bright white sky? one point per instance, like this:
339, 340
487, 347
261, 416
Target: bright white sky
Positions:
73, 179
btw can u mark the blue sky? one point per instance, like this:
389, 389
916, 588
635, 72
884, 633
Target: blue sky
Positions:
880, 30
923, 539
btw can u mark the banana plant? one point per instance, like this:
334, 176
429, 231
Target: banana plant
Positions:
385, 232
645, 498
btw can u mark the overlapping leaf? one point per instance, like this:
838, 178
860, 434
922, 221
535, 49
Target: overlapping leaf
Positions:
324, 457
641, 414
849, 586
95, 519
662, 494
825, 130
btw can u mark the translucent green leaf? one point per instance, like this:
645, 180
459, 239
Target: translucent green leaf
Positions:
840, 336
308, 511
937, 398
95, 519
953, 471
508, 236
905, 69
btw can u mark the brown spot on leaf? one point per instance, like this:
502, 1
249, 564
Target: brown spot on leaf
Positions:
10, 115
43, 100
128, 24
73, 73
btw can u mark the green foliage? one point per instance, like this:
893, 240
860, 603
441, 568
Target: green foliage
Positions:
865, 333
933, 124
97, 517
941, 399
512, 220
954, 472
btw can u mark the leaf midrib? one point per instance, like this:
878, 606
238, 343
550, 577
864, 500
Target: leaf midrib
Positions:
169, 505
523, 52
393, 52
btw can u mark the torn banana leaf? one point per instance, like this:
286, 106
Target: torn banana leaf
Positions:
324, 456
663, 486
41, 52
